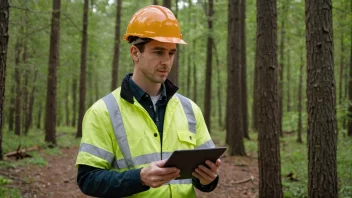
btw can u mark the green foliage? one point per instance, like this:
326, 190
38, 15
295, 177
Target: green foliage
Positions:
8, 192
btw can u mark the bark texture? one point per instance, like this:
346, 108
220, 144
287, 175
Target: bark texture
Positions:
50, 116
268, 101
82, 84
322, 127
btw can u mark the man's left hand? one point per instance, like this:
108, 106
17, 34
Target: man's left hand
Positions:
207, 174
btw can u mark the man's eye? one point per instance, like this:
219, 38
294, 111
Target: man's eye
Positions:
159, 52
172, 53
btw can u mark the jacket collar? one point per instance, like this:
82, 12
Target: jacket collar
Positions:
126, 92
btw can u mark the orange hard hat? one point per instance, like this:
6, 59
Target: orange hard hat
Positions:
155, 22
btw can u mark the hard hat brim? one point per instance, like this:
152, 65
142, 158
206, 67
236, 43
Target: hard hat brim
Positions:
169, 40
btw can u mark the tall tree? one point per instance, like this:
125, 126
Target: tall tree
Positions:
341, 68
50, 116
4, 37
12, 107
299, 108
18, 88
82, 84
281, 65
30, 105
234, 123
115, 64
322, 126
288, 81
74, 102
244, 70
218, 88
208, 71
155, 2
268, 101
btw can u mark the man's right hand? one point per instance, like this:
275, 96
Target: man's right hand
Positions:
155, 175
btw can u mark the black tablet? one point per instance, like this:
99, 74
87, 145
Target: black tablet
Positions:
188, 160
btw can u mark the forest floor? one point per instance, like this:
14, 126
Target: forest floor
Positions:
238, 177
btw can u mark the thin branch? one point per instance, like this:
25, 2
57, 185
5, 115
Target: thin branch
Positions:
69, 18
27, 9
245, 180
341, 10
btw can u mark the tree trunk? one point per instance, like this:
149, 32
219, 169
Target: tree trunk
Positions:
115, 64
82, 85
299, 108
235, 122
39, 118
288, 78
30, 105
322, 127
281, 68
268, 101
341, 70
167, 3
12, 107
219, 86
25, 88
4, 38
18, 89
209, 69
255, 97
155, 2
244, 102
67, 103
50, 116
74, 102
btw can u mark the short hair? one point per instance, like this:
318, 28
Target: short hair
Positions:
141, 44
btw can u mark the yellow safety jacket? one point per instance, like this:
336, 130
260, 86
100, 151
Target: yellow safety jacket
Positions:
120, 135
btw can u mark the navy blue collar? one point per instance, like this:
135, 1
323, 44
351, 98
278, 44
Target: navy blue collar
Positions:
130, 89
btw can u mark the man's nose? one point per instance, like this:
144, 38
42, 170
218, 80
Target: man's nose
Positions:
167, 59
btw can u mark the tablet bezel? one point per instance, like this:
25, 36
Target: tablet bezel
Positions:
188, 160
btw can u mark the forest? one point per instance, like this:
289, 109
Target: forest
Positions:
273, 79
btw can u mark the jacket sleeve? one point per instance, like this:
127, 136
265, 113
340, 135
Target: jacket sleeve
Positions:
205, 188
104, 183
96, 159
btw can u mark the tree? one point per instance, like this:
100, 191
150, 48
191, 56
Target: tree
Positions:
115, 64
167, 3
322, 126
18, 88
50, 117
82, 85
208, 71
234, 123
268, 101
299, 108
74, 102
244, 70
155, 2
4, 38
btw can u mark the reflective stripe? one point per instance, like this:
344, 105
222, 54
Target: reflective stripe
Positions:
166, 155
119, 129
207, 144
180, 181
187, 108
139, 160
98, 152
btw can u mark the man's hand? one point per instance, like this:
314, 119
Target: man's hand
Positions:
155, 175
207, 175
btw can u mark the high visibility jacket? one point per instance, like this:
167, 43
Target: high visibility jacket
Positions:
120, 135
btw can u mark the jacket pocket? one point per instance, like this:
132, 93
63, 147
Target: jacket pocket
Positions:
187, 138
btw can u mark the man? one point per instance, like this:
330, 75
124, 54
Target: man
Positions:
129, 134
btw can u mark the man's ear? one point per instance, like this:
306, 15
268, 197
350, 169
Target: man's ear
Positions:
134, 52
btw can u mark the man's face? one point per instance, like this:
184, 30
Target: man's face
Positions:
155, 63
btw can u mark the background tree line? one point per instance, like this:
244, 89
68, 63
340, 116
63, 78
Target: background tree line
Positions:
244, 65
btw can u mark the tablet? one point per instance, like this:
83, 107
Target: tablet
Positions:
188, 160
